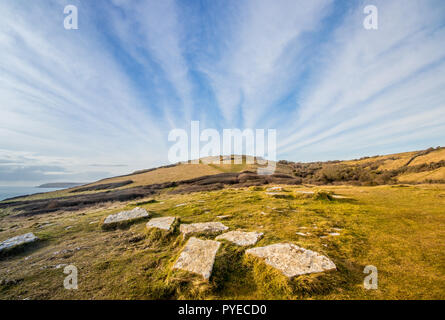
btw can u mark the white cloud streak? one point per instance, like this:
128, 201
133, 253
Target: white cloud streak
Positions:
255, 69
375, 81
109, 93
62, 93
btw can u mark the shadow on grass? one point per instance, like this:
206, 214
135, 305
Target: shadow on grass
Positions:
122, 225
237, 275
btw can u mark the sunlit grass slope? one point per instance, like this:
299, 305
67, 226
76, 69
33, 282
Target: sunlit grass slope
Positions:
398, 229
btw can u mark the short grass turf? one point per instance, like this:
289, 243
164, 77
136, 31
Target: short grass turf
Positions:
398, 229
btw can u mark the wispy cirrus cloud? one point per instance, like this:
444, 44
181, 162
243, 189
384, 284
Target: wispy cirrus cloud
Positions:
109, 92
64, 94
151, 33
369, 81
259, 58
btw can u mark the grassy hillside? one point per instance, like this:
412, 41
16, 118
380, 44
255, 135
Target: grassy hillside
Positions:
426, 166
153, 176
399, 228
381, 226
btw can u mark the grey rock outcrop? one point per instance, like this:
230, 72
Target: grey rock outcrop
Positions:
241, 238
198, 256
292, 260
17, 241
164, 223
126, 216
202, 227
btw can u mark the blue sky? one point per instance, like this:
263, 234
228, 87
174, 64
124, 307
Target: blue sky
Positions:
78, 105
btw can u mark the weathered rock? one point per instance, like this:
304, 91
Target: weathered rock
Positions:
164, 223
274, 189
302, 234
339, 197
224, 217
181, 204
306, 192
334, 234
46, 224
10, 282
123, 216
17, 241
66, 251
292, 260
198, 256
202, 227
241, 238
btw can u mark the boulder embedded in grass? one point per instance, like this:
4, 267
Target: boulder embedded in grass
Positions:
224, 217
164, 223
322, 195
16, 242
338, 197
271, 189
125, 217
292, 260
198, 256
305, 192
241, 238
202, 227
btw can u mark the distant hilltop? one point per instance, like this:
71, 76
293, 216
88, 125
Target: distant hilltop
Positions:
61, 185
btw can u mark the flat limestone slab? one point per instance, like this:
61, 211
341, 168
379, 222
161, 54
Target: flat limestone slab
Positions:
274, 189
334, 234
164, 223
136, 213
198, 256
17, 241
292, 260
335, 196
302, 234
306, 192
202, 227
241, 238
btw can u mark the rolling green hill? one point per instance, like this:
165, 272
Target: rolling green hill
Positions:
355, 212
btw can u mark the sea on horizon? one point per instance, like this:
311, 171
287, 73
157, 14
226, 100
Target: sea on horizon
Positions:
15, 191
